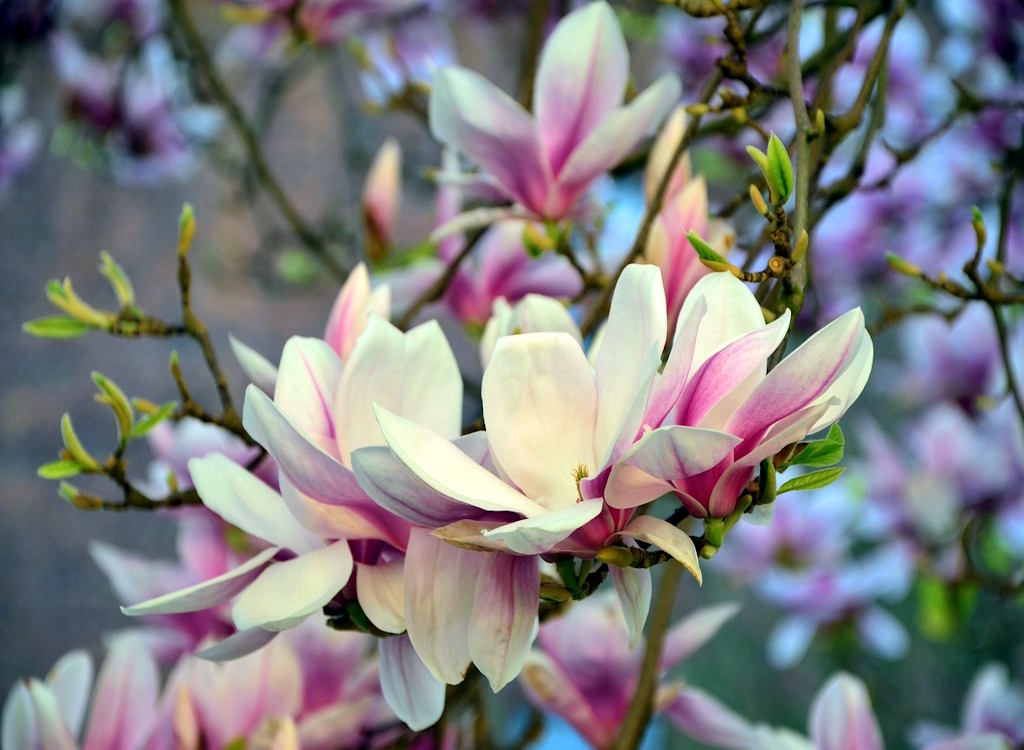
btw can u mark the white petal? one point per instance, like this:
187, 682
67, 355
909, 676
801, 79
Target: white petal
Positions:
245, 501
381, 593
260, 371
237, 645
537, 535
448, 470
540, 406
288, 592
412, 692
670, 538
205, 594
633, 586
70, 681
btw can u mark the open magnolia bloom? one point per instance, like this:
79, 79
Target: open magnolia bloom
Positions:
715, 382
579, 128
586, 666
496, 500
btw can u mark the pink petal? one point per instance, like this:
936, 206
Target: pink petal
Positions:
351, 309
307, 380
841, 717
125, 698
440, 581
504, 616
470, 114
578, 85
618, 135
382, 194
661, 154
550, 689
708, 721
694, 631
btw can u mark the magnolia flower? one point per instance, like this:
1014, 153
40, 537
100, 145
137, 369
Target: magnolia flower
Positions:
685, 210
517, 489
351, 310
50, 714
578, 129
841, 719
714, 384
992, 716
19, 136
534, 313
382, 194
585, 667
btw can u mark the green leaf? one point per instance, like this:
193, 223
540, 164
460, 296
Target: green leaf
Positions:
704, 250
813, 481
151, 420
55, 327
118, 279
760, 158
59, 469
822, 452
296, 267
114, 398
779, 172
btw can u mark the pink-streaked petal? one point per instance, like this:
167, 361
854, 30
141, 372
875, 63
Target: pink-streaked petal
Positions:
667, 388
549, 688
314, 471
473, 116
307, 380
669, 538
440, 581
357, 518
694, 631
630, 354
244, 501
633, 587
469, 534
630, 487
261, 371
504, 617
534, 536
731, 373
618, 135
70, 681
842, 718
207, 593
449, 471
540, 405
676, 452
288, 592
134, 578
237, 645
730, 310
805, 376
578, 85
349, 312
707, 720
380, 591
412, 692
126, 695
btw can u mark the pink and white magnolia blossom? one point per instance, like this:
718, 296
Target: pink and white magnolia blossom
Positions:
579, 128
355, 302
684, 210
50, 714
992, 717
534, 313
715, 383
515, 490
586, 664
